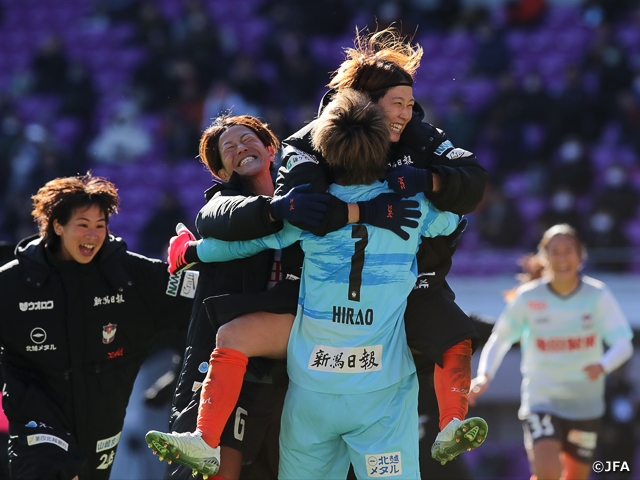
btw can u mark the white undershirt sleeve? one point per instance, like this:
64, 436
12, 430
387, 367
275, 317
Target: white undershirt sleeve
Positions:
492, 354
618, 353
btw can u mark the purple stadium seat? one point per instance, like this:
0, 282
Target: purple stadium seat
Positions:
563, 16
610, 134
66, 130
534, 135
530, 207
632, 229
629, 36
516, 41
516, 185
477, 92
432, 44
37, 108
459, 44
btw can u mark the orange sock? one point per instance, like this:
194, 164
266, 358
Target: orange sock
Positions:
452, 382
220, 392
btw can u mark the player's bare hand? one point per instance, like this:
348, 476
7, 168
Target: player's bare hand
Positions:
479, 385
593, 371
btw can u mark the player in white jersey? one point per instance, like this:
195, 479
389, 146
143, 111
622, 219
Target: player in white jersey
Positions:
561, 321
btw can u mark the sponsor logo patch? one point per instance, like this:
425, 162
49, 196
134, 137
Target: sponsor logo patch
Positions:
118, 353
108, 443
203, 367
384, 464
300, 157
43, 438
109, 333
196, 386
174, 284
38, 335
443, 147
189, 284
346, 359
458, 153
108, 300
29, 306
536, 305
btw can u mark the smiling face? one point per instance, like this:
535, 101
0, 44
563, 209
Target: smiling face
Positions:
242, 151
83, 235
397, 105
564, 258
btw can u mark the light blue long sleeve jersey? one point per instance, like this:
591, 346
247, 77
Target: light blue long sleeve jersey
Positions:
348, 335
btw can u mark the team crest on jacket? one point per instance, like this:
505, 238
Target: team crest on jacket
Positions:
109, 333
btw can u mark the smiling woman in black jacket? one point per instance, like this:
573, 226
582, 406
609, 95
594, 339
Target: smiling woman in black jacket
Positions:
80, 314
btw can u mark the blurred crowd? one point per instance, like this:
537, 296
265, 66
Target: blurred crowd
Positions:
558, 151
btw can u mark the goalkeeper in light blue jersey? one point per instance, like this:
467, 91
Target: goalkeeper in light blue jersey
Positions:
353, 390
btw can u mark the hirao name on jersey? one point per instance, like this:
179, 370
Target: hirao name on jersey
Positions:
350, 316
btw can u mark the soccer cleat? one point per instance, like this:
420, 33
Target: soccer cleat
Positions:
457, 437
188, 449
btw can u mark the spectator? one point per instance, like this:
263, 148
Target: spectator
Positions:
299, 76
619, 440
562, 209
627, 114
222, 98
573, 168
498, 220
195, 37
619, 195
607, 242
151, 83
459, 123
439, 15
536, 100
608, 61
123, 139
49, 66
151, 24
574, 111
502, 125
161, 225
491, 57
245, 78
79, 95
525, 13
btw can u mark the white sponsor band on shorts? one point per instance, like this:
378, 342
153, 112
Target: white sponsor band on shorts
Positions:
382, 465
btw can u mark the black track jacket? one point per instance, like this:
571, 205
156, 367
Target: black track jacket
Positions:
73, 339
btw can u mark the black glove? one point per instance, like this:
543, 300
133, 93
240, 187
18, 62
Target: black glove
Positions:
408, 181
390, 211
300, 204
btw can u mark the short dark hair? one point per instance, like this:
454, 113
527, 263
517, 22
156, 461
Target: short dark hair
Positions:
58, 199
352, 135
209, 153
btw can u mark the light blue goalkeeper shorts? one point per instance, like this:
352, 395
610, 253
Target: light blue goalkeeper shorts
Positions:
322, 433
